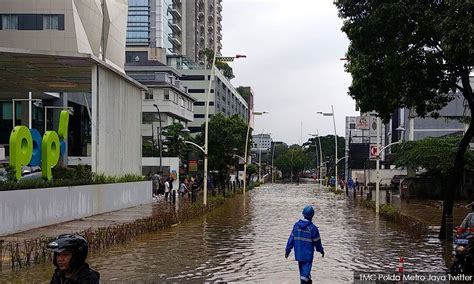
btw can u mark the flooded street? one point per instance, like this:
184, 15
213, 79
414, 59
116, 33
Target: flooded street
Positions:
245, 240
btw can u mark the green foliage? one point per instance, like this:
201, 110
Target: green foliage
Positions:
435, 154
150, 150
327, 147
64, 177
11, 173
244, 92
208, 53
407, 53
291, 161
174, 141
226, 137
226, 69
251, 169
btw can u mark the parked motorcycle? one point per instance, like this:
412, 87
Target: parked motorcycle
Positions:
463, 252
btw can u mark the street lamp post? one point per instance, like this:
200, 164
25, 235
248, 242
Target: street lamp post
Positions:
247, 142
335, 141
273, 156
159, 136
320, 155
36, 103
206, 130
377, 162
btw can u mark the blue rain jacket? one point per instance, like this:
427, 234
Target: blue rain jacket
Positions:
304, 238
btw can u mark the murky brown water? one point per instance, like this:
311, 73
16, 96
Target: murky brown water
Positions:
245, 240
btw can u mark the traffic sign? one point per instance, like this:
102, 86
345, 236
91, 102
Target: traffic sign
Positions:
373, 152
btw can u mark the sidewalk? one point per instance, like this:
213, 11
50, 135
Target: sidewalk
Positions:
123, 216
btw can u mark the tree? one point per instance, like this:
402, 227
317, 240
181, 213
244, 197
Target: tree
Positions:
223, 66
291, 161
209, 55
413, 54
435, 154
226, 69
173, 141
327, 147
244, 92
226, 137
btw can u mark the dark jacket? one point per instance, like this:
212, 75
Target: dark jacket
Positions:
304, 238
83, 275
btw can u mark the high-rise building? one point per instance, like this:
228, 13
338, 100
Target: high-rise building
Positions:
158, 28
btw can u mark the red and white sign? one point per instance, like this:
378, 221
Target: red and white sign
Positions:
373, 151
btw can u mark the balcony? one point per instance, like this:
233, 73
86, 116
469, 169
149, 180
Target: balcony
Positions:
174, 11
174, 41
200, 16
219, 7
219, 17
219, 35
175, 26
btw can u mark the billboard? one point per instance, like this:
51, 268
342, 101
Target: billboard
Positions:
362, 122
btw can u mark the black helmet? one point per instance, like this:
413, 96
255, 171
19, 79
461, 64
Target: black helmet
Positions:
74, 243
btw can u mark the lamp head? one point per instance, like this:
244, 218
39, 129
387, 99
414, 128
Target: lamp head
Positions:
400, 128
38, 103
185, 130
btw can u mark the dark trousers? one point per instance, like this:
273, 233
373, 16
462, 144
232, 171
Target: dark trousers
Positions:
166, 195
305, 271
193, 196
173, 196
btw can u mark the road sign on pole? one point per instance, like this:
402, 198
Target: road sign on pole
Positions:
373, 151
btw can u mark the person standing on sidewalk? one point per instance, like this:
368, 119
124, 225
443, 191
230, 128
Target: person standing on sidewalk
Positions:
304, 238
70, 253
167, 189
194, 190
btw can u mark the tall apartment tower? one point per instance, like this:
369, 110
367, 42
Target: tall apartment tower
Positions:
203, 27
157, 28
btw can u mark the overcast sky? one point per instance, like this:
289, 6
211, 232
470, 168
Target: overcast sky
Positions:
293, 64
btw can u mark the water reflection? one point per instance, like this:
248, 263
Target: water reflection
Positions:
245, 239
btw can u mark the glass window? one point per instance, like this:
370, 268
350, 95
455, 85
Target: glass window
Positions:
138, 3
50, 22
30, 22
148, 96
196, 91
132, 56
10, 22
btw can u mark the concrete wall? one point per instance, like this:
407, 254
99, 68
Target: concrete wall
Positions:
386, 175
22, 210
119, 119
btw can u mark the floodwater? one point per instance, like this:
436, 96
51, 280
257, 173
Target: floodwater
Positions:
244, 241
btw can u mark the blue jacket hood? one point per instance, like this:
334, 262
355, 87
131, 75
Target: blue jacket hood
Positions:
303, 223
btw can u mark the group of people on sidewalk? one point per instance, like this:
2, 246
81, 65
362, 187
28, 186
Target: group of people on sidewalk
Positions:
349, 183
163, 187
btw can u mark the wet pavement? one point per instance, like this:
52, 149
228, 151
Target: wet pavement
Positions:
244, 241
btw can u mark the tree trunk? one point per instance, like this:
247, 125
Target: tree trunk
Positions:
455, 178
